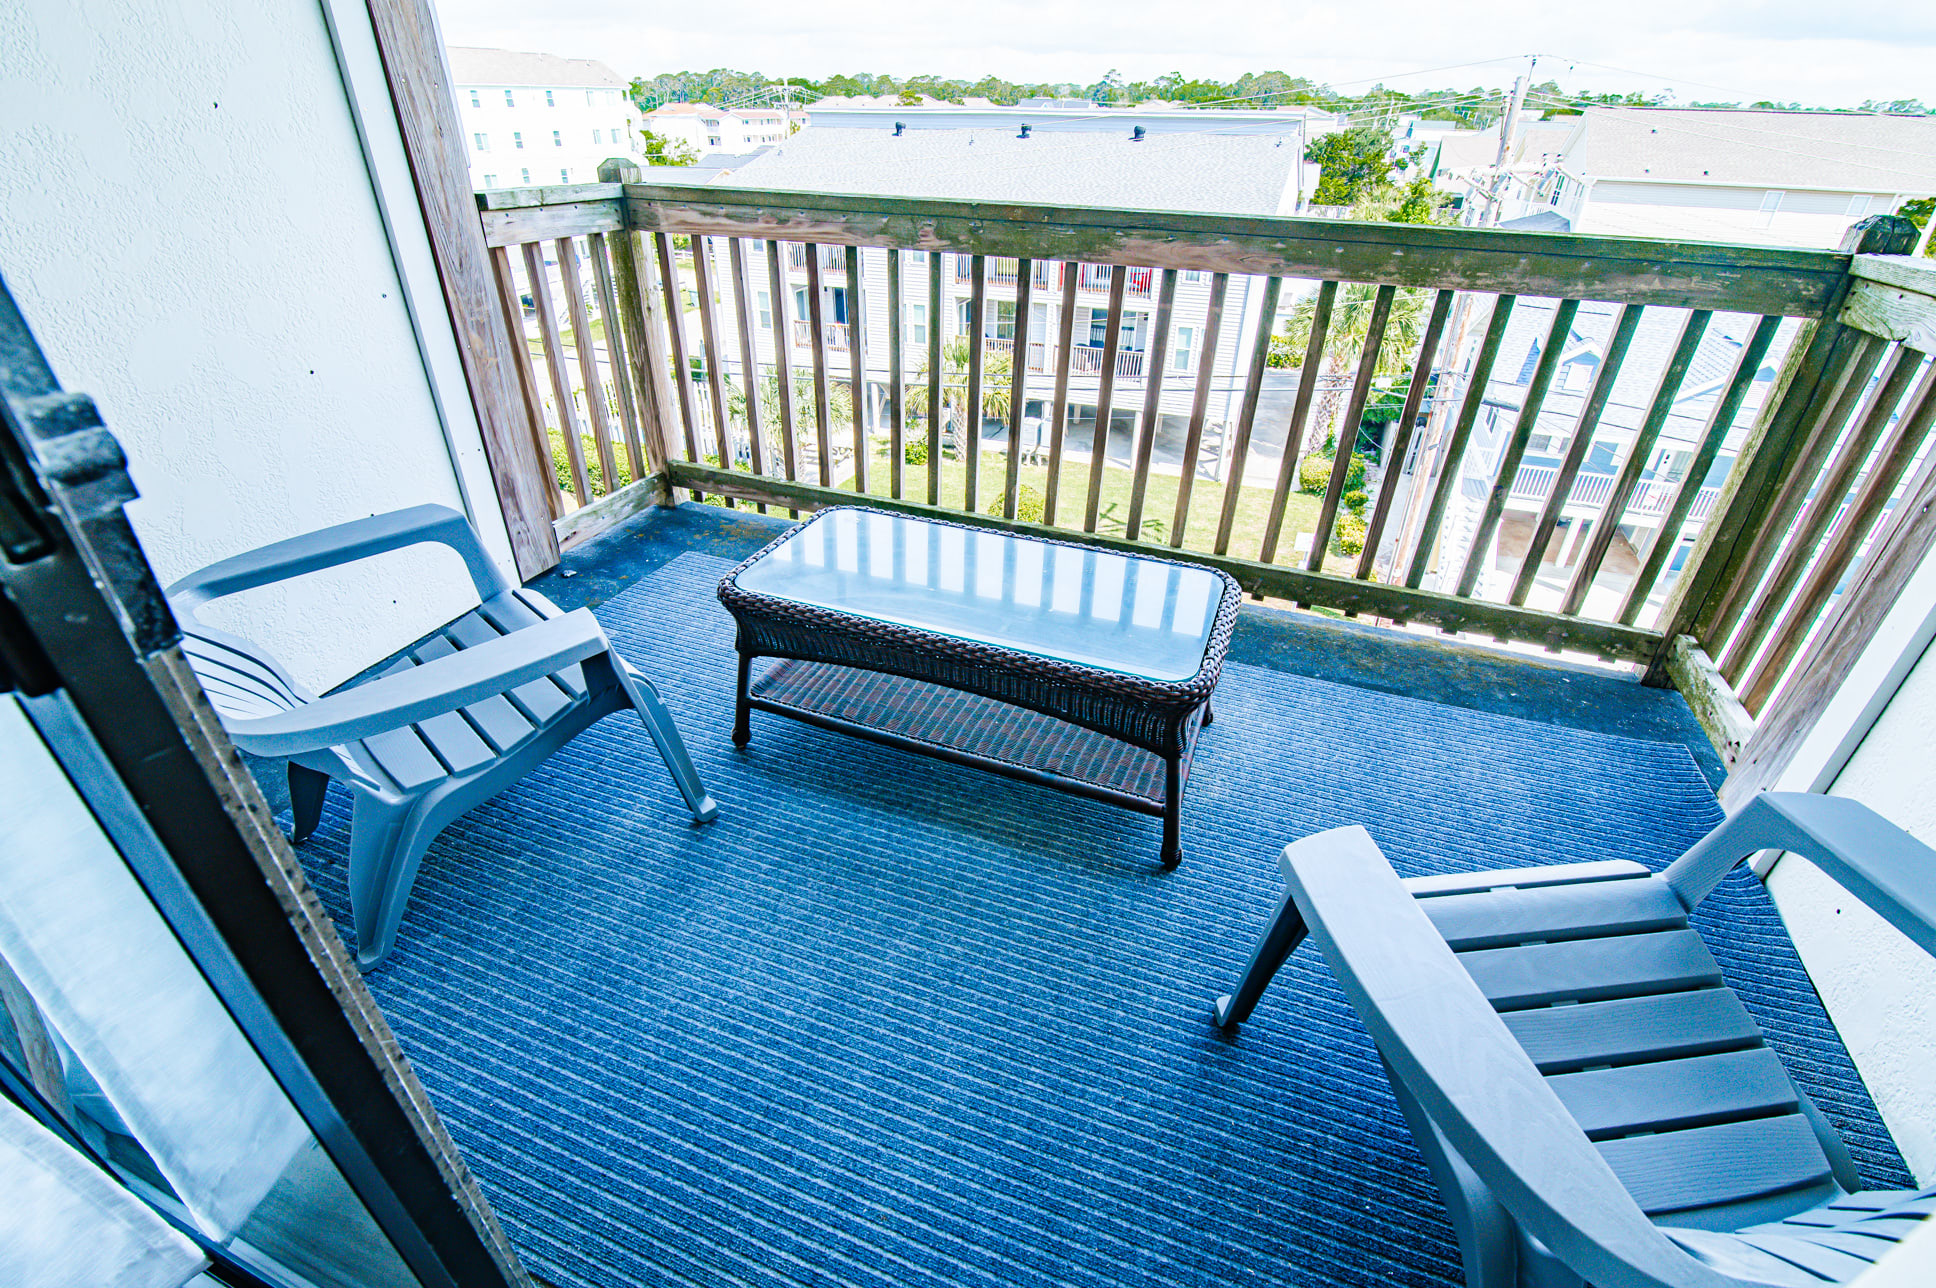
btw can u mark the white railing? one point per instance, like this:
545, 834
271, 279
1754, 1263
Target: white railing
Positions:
1651, 499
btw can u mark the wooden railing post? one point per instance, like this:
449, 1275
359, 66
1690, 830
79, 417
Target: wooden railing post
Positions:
639, 321
1734, 547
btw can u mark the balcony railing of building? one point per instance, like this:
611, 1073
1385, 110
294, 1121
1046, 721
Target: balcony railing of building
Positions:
833, 335
1651, 498
1832, 482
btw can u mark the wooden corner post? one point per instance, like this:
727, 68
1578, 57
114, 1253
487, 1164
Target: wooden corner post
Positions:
420, 90
639, 318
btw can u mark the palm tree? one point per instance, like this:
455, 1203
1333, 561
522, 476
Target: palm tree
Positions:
1344, 341
996, 372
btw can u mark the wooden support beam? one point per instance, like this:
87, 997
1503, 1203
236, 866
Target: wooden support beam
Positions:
1199, 406
1454, 462
1423, 367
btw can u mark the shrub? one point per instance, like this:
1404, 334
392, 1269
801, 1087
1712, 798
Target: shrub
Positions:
1348, 536
1355, 501
916, 452
1028, 505
1314, 473
1354, 473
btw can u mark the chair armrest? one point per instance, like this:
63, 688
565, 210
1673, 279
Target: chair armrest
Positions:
408, 697
344, 543
1861, 851
1443, 1039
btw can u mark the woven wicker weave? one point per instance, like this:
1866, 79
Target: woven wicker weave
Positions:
1158, 716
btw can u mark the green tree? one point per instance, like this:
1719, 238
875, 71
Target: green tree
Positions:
996, 369
1344, 341
1355, 161
1418, 203
660, 150
1107, 90
1917, 212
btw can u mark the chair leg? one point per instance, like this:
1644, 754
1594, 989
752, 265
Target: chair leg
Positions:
1280, 939
1489, 1239
374, 828
672, 748
307, 787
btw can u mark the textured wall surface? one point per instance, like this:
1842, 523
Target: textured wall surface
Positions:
191, 231
1879, 988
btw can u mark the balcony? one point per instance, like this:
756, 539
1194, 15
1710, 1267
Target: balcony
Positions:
890, 1021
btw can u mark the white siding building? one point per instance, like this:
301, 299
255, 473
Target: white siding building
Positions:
536, 119
708, 129
1210, 172
1768, 178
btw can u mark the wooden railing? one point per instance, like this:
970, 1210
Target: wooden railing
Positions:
1442, 538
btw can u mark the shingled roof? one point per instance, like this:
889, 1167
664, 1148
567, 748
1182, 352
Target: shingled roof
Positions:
1838, 151
1197, 172
473, 66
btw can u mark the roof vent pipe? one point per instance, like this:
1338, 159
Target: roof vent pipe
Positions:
1137, 135
898, 127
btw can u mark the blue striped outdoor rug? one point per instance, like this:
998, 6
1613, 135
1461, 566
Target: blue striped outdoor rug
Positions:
892, 1021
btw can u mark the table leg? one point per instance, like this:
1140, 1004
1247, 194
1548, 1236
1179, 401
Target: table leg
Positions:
1172, 812
1209, 716
742, 708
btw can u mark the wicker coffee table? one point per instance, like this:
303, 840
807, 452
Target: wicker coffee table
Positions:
1059, 664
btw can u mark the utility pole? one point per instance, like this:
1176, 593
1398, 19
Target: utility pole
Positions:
1506, 129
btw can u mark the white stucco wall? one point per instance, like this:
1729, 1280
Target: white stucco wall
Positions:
1879, 988
191, 229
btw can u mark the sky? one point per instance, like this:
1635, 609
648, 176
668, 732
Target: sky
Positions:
1807, 51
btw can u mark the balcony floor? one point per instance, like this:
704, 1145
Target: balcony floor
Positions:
891, 1021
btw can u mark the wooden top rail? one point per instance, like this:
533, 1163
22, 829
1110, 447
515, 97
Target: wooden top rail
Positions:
1748, 279
1894, 298
1743, 279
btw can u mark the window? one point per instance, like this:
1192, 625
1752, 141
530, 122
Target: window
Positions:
524, 176
564, 176
709, 123
800, 310
483, 142
557, 139
917, 319
1099, 329
549, 101
713, 141
598, 136
509, 101
997, 321
517, 139
1186, 343
1859, 204
490, 181
1195, 275
476, 100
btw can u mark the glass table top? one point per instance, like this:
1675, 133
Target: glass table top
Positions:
1115, 612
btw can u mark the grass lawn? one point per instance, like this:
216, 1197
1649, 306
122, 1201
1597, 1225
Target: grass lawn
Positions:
1159, 504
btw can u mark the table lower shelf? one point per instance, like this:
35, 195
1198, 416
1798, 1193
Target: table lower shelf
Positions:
967, 728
